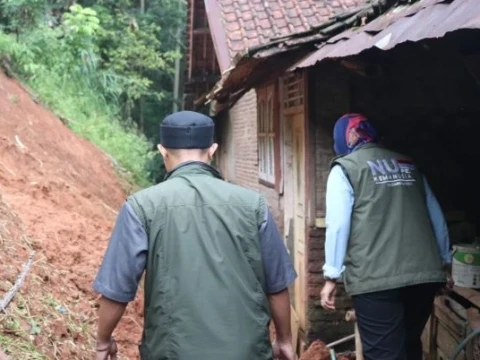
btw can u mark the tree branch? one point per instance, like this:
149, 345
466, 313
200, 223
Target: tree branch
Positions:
18, 284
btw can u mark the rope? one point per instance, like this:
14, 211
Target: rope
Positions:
464, 343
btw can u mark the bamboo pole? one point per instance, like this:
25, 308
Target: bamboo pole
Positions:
351, 316
341, 341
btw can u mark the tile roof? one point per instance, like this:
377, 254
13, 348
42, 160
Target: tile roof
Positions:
248, 23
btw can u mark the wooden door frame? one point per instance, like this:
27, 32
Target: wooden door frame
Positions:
301, 259
287, 116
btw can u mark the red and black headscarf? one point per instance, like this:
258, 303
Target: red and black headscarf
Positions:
351, 131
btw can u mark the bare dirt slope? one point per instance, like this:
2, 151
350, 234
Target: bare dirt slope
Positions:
59, 196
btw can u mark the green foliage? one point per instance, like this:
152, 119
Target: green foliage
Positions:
75, 97
107, 66
131, 51
23, 14
80, 28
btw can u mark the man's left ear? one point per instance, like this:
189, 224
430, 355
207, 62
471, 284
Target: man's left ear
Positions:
162, 150
212, 150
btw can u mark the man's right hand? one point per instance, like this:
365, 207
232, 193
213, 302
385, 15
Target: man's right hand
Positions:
327, 295
283, 351
107, 351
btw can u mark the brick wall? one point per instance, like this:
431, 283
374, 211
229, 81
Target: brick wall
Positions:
329, 98
243, 124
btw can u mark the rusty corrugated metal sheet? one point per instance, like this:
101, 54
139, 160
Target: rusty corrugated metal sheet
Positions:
425, 19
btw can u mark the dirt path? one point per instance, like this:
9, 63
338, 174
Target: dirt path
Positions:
66, 194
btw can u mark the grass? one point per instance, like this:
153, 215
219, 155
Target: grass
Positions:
77, 97
38, 326
93, 118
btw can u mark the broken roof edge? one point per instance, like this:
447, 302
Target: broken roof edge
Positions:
438, 17
298, 41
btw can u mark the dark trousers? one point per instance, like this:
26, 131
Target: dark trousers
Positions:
391, 322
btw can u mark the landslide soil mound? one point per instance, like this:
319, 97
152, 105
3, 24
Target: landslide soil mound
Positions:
59, 196
319, 351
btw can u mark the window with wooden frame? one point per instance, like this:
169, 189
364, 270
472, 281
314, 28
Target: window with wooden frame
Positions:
293, 92
268, 136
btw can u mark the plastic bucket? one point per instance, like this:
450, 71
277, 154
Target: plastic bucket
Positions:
466, 266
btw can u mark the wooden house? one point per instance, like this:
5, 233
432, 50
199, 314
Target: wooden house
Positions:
292, 69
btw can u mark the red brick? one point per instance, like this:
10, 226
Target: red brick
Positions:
316, 244
314, 291
317, 232
315, 279
314, 267
244, 121
316, 256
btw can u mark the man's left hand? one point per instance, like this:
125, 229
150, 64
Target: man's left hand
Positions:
450, 283
107, 351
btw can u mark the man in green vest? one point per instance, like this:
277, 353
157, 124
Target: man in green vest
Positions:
216, 268
387, 236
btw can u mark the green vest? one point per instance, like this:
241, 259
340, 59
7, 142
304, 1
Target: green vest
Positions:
204, 287
392, 243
